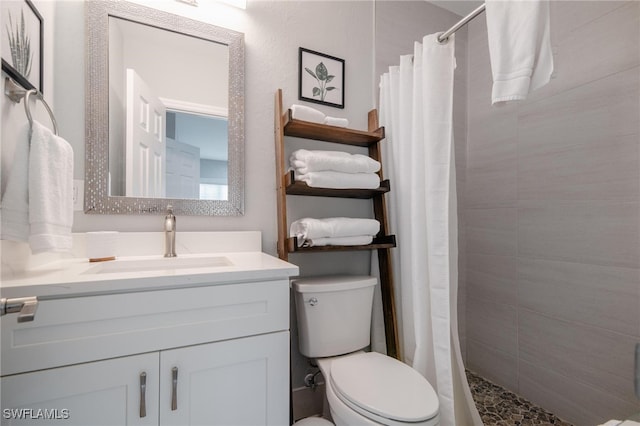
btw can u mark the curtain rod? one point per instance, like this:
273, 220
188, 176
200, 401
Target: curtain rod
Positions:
442, 38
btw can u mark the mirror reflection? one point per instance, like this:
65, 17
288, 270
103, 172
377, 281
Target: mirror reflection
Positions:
168, 114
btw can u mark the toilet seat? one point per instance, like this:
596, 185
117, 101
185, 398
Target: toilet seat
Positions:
383, 389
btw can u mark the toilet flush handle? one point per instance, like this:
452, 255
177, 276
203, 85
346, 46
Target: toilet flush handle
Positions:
313, 301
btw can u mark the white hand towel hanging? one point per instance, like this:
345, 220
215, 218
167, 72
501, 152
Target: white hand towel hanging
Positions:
50, 191
519, 47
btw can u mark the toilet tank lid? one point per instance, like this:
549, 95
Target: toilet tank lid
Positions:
332, 283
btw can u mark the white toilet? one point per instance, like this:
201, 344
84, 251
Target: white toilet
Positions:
362, 388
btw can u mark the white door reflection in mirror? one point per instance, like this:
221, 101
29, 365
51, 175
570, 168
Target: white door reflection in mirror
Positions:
145, 153
183, 170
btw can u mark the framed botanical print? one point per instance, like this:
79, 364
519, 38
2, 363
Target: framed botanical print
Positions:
320, 78
22, 42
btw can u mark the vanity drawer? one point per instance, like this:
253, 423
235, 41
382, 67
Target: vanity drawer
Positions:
82, 329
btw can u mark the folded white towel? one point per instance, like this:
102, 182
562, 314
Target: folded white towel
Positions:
50, 191
339, 180
519, 47
611, 423
336, 121
15, 200
312, 229
360, 240
305, 161
302, 112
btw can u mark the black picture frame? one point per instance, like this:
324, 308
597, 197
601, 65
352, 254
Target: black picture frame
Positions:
29, 31
315, 71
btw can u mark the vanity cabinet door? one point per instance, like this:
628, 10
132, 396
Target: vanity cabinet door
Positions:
97, 393
235, 382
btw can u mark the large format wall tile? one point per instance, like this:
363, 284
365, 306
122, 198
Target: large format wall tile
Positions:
492, 187
569, 16
499, 367
602, 296
594, 356
569, 398
605, 169
495, 141
601, 47
492, 158
491, 231
493, 324
583, 144
493, 278
587, 232
597, 110
562, 207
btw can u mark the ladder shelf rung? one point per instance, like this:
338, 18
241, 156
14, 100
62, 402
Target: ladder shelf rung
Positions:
384, 242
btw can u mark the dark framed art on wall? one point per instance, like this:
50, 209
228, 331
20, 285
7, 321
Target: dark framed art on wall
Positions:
22, 40
320, 78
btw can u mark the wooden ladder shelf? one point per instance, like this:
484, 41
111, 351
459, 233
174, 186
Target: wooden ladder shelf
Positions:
286, 125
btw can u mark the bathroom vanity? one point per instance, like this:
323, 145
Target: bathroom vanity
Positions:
199, 339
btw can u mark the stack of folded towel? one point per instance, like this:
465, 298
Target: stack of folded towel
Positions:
303, 112
335, 169
343, 231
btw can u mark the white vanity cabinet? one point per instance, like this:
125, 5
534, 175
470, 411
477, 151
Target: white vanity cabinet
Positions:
96, 393
209, 355
236, 382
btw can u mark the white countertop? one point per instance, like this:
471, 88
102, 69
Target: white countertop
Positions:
77, 276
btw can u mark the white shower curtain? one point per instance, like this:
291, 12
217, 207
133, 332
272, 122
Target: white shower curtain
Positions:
416, 100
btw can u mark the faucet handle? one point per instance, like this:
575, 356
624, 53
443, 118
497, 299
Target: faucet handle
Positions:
169, 209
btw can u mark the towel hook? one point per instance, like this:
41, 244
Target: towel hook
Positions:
16, 93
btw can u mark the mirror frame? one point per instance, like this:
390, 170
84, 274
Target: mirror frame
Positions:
97, 199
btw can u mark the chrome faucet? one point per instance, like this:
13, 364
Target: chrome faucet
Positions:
170, 233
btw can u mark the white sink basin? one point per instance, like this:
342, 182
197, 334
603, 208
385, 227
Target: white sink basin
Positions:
158, 264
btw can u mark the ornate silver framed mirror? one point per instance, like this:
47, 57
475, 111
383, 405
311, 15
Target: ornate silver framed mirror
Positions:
164, 113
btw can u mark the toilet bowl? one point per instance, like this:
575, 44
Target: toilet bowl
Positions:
362, 388
368, 388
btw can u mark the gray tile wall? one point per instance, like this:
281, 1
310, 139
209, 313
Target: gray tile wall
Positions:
552, 217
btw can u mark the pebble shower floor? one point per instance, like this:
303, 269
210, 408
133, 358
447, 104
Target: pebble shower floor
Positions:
499, 407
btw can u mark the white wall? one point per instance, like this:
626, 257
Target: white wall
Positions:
273, 32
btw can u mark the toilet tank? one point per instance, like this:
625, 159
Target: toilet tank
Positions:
334, 314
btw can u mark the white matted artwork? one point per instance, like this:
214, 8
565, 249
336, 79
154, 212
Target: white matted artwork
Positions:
320, 78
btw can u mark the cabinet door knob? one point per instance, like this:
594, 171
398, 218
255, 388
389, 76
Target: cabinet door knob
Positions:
174, 388
143, 391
